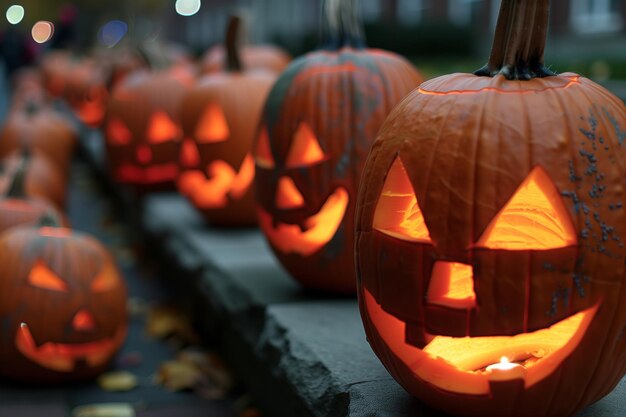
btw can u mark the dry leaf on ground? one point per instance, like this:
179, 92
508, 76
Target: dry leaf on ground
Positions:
164, 321
104, 410
117, 381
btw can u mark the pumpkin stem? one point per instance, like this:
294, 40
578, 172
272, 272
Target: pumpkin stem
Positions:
519, 41
16, 189
341, 24
233, 61
31, 108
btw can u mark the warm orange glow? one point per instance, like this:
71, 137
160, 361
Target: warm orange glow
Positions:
263, 153
62, 357
452, 285
287, 194
83, 321
118, 133
456, 364
162, 128
534, 218
397, 212
212, 126
42, 277
223, 182
318, 229
106, 280
90, 113
188, 181
189, 155
305, 149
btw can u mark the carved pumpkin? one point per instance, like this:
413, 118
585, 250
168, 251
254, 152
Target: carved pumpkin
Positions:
42, 179
142, 130
62, 305
54, 68
318, 124
39, 127
219, 117
18, 208
86, 92
490, 227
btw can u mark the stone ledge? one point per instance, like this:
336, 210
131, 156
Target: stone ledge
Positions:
300, 353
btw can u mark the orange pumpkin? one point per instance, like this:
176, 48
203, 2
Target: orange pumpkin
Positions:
142, 129
39, 127
62, 303
219, 116
41, 178
490, 235
318, 123
86, 92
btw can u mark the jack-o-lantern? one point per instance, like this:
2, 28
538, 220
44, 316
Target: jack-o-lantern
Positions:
18, 208
42, 179
86, 92
142, 130
490, 235
62, 305
39, 127
219, 116
320, 119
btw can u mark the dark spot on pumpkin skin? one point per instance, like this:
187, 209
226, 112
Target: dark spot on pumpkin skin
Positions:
561, 294
619, 133
548, 266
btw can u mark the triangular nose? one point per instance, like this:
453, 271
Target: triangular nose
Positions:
287, 194
83, 321
189, 156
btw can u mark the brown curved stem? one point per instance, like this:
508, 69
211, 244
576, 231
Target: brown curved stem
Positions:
233, 60
520, 40
17, 187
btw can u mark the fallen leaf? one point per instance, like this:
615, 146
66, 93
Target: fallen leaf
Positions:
104, 410
117, 381
177, 376
165, 321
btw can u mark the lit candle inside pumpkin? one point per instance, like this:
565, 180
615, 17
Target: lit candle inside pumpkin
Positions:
505, 370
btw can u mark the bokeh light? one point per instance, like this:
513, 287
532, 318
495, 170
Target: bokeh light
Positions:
42, 31
187, 7
112, 32
15, 14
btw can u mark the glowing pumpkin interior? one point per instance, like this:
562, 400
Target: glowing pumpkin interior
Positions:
534, 218
161, 128
212, 126
62, 357
310, 235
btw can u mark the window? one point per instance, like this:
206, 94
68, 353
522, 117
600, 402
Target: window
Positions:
596, 16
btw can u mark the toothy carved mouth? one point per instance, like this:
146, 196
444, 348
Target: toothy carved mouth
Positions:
62, 357
457, 364
319, 229
148, 175
223, 183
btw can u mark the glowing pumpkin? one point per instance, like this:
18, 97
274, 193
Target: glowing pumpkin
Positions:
219, 117
62, 305
142, 131
490, 229
318, 124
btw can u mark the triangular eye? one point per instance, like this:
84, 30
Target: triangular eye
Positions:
107, 279
162, 128
397, 211
535, 218
118, 133
305, 149
263, 153
42, 277
212, 126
